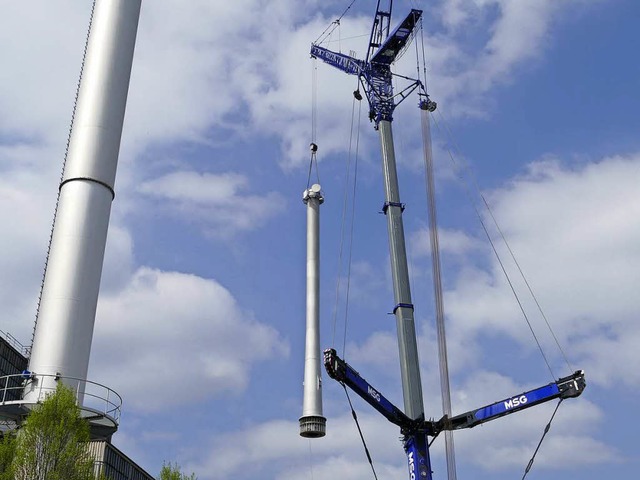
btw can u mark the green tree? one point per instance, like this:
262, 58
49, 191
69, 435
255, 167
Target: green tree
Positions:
172, 472
52, 443
7, 452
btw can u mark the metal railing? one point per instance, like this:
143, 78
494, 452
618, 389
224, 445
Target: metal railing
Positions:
15, 343
96, 397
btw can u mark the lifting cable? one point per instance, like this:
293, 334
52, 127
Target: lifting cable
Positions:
484, 227
332, 26
546, 430
64, 163
464, 173
352, 157
313, 161
364, 443
503, 237
535, 298
511, 253
353, 214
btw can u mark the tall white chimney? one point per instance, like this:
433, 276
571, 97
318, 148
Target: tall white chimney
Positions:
64, 329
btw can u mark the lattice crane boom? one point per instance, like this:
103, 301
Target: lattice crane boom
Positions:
375, 72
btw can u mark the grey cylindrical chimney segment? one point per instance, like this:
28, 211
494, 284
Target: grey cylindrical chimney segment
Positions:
312, 423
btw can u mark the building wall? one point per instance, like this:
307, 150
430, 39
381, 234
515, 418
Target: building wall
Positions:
12, 362
114, 464
109, 460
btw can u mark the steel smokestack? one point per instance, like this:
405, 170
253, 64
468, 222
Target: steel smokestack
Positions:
312, 423
64, 329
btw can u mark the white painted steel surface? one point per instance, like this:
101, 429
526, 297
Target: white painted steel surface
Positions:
62, 341
312, 423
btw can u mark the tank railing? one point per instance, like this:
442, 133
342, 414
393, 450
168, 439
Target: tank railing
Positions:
96, 396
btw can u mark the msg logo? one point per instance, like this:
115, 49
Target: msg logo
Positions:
515, 401
373, 393
412, 466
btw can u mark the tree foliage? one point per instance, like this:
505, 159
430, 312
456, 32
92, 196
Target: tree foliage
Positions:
7, 452
52, 443
172, 472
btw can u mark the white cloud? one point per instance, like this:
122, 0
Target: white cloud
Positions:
27, 201
180, 328
485, 43
217, 201
454, 242
213, 73
276, 450
41, 44
574, 233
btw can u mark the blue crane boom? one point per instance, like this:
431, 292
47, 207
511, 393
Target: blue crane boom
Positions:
570, 386
414, 431
375, 73
344, 373
343, 62
566, 387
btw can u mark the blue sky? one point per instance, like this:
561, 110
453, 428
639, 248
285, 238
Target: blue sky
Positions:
200, 322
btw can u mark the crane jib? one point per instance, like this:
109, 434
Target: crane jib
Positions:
347, 64
566, 387
392, 47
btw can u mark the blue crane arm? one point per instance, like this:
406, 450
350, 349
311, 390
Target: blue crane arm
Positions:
343, 62
344, 373
375, 74
566, 387
397, 40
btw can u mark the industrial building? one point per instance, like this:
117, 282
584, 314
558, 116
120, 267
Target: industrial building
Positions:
109, 460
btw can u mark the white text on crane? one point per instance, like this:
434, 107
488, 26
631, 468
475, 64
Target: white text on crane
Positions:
515, 401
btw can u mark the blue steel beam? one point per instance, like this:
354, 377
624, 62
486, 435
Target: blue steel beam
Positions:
566, 387
375, 74
344, 373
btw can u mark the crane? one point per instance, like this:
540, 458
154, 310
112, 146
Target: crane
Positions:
374, 74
